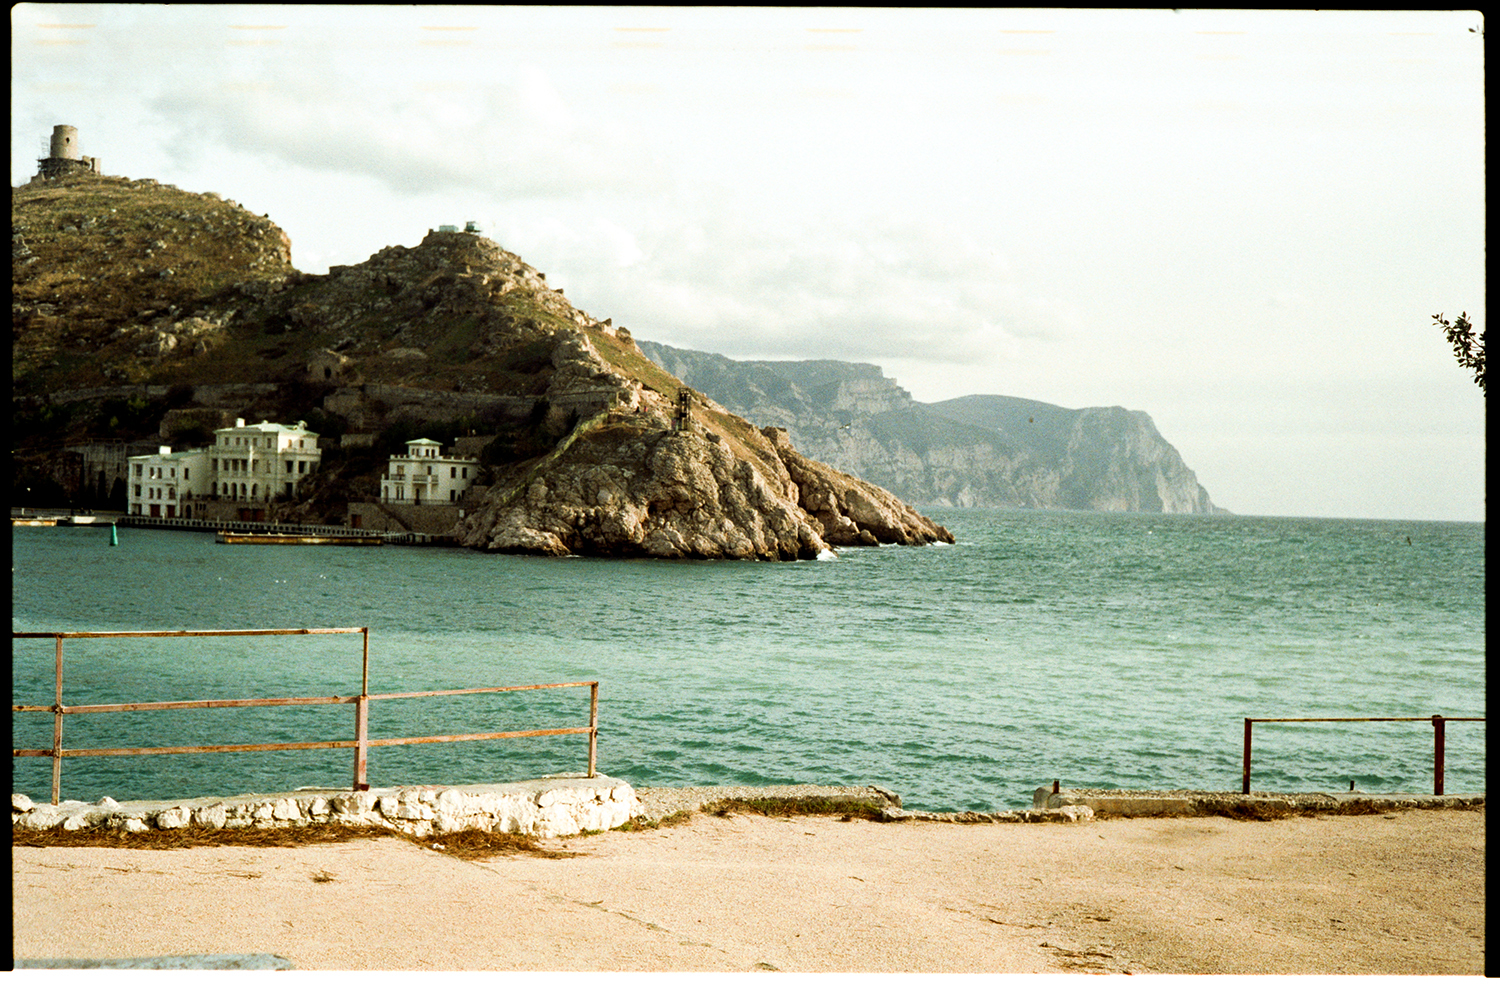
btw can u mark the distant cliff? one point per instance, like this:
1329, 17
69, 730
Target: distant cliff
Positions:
976, 451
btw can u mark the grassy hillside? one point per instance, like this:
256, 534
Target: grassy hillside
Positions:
100, 265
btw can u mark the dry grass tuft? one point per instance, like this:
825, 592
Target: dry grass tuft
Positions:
842, 807
472, 845
468, 845
641, 823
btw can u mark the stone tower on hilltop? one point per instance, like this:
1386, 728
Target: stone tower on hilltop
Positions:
63, 157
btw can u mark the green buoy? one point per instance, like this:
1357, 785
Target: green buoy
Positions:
114, 534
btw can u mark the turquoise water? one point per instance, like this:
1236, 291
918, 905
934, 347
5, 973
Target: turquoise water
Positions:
1117, 651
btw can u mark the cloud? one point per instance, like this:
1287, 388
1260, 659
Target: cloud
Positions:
514, 137
727, 282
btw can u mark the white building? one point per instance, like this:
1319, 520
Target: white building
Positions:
258, 462
246, 463
424, 476
161, 483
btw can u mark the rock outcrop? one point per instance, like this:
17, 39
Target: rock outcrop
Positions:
628, 482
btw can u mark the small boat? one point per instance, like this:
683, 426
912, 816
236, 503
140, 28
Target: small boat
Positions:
289, 538
30, 522
78, 520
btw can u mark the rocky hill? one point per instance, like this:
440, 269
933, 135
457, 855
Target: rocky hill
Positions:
143, 311
112, 278
977, 451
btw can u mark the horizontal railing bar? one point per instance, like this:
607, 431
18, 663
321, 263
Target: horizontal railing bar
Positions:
476, 689
286, 701
185, 634
104, 708
288, 745
186, 749
1333, 720
545, 732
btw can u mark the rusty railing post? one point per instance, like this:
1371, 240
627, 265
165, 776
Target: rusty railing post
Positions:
593, 727
1437, 754
57, 725
1245, 775
362, 720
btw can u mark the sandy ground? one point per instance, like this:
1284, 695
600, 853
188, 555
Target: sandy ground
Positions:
1400, 893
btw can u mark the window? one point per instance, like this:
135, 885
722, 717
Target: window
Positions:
185, 473
288, 466
452, 472
302, 466
137, 469
137, 490
466, 473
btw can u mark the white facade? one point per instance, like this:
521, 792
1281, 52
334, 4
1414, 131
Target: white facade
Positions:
160, 485
246, 463
259, 462
424, 476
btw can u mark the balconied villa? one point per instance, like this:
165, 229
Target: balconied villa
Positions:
423, 492
425, 476
246, 464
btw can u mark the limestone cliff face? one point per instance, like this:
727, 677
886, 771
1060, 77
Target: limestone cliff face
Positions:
977, 451
1099, 459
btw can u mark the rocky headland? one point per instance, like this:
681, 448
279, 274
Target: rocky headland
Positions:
140, 308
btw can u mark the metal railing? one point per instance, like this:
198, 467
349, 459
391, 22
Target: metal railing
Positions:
361, 742
1438, 722
215, 524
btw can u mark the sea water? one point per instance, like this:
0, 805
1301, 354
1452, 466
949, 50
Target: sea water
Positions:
1101, 650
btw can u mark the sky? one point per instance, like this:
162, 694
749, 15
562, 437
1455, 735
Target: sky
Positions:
1239, 222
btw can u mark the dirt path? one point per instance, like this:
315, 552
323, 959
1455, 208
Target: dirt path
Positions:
1399, 893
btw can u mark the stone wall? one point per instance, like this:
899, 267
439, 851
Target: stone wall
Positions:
428, 519
377, 404
552, 807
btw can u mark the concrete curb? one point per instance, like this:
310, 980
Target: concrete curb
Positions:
176, 962
1192, 802
1056, 814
